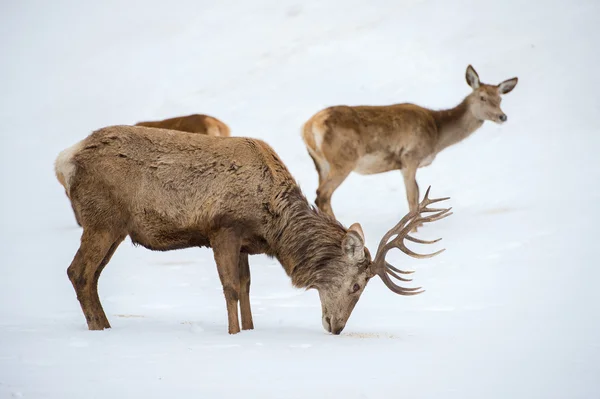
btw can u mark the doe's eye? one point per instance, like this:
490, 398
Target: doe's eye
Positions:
482, 98
355, 288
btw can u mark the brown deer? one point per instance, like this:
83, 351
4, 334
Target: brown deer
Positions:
168, 191
196, 123
377, 139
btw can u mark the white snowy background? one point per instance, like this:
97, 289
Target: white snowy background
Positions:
512, 307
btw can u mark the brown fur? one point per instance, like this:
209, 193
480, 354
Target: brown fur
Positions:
169, 191
377, 139
196, 123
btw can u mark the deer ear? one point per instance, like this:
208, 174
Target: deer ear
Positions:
507, 85
472, 78
356, 227
353, 243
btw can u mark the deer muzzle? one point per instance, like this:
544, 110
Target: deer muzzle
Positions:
332, 325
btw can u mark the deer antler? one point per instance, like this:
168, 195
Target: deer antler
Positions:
401, 232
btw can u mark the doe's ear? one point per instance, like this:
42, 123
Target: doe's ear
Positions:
507, 85
472, 78
353, 243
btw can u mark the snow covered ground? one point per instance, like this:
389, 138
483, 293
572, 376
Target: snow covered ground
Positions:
512, 307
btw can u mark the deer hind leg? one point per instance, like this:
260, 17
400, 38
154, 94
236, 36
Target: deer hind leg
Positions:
318, 167
93, 254
328, 185
76, 216
226, 247
245, 309
74, 210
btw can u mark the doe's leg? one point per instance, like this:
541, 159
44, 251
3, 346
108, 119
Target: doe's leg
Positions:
412, 188
327, 186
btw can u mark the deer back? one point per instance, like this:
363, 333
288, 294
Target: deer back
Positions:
171, 189
196, 123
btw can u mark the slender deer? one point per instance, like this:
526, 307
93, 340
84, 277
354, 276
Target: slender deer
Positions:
168, 191
377, 139
196, 123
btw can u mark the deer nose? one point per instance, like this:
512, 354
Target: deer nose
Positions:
503, 118
337, 327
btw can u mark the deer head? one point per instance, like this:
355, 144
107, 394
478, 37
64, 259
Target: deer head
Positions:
340, 296
485, 100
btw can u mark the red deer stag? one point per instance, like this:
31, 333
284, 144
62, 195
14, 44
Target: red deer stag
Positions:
377, 139
168, 191
196, 123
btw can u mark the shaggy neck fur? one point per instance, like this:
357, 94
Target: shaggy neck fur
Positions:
455, 124
307, 242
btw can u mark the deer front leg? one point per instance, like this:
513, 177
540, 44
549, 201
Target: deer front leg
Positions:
412, 188
245, 309
226, 247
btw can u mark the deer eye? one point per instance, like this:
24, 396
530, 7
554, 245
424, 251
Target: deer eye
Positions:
482, 98
355, 288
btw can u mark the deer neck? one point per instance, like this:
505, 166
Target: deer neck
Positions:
455, 124
306, 241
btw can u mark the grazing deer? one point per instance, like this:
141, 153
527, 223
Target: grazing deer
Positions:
196, 123
169, 191
377, 139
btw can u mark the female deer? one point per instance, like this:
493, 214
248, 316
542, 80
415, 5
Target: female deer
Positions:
377, 139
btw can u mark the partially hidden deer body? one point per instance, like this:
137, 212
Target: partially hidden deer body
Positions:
376, 139
195, 123
167, 190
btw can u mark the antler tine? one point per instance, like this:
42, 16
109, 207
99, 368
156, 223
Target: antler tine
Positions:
427, 201
425, 210
419, 241
426, 196
397, 277
433, 201
397, 289
437, 216
398, 270
401, 232
407, 251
